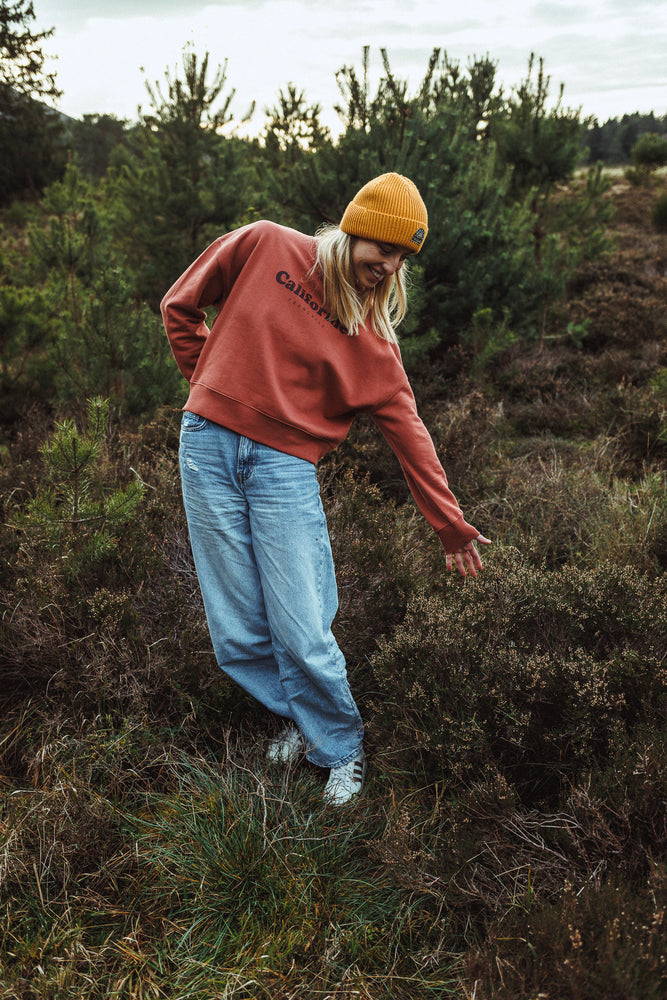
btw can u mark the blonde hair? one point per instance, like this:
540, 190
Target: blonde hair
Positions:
385, 305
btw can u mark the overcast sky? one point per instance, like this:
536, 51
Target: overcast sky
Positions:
610, 54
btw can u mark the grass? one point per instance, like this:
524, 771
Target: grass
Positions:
227, 885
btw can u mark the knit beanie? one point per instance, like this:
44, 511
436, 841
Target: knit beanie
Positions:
388, 209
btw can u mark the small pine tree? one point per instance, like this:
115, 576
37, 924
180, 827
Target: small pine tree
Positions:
105, 342
541, 147
181, 181
293, 126
650, 151
74, 516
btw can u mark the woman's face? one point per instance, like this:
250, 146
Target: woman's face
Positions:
373, 261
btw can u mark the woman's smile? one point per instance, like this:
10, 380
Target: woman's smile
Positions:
372, 262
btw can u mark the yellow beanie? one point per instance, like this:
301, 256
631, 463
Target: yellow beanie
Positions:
388, 209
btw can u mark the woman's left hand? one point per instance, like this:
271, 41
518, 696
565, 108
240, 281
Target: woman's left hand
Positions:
467, 557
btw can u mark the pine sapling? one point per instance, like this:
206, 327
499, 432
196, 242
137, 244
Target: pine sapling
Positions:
74, 514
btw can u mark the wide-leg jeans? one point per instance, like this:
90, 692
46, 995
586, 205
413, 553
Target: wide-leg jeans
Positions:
263, 558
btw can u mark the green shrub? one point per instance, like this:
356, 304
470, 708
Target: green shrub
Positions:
650, 151
18, 213
28, 367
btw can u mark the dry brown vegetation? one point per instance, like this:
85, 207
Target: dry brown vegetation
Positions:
512, 840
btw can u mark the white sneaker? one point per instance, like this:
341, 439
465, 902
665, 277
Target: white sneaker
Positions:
285, 747
346, 780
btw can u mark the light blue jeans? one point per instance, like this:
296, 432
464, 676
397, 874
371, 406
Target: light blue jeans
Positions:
263, 558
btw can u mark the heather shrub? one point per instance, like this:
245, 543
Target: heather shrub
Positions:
465, 431
379, 550
538, 673
558, 502
619, 297
601, 941
101, 612
612, 820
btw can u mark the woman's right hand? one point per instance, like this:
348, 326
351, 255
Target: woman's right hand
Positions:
467, 558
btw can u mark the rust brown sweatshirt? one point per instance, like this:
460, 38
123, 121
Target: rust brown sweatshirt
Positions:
278, 368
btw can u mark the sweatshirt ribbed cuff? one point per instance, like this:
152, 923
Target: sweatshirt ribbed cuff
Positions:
454, 536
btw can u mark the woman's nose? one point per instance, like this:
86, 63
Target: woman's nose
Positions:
392, 264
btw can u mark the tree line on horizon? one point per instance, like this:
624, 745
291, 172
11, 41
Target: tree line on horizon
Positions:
36, 142
93, 137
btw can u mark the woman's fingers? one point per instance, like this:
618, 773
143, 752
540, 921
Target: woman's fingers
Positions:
467, 558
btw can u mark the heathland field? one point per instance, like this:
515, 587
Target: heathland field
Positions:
512, 838
511, 841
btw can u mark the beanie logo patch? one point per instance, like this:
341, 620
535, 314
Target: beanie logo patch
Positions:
418, 237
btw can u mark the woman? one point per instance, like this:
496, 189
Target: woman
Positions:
303, 339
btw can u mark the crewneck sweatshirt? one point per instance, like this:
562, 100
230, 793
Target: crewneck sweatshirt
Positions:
277, 367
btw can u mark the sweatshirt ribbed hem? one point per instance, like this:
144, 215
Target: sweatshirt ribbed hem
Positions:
258, 426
